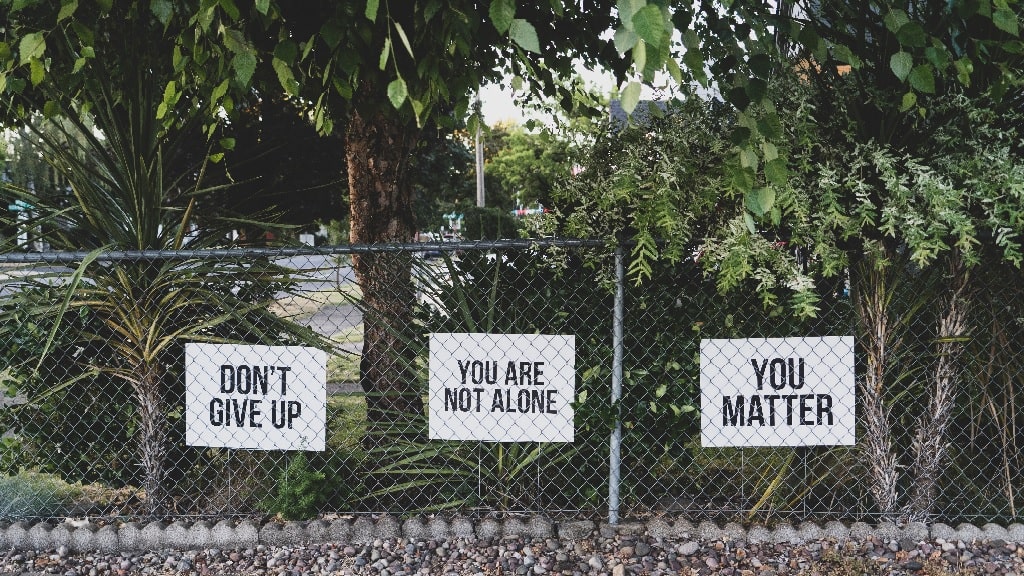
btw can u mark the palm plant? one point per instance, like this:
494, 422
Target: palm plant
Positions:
470, 295
133, 190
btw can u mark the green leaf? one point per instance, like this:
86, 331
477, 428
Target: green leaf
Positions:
630, 97
901, 63
674, 71
244, 64
404, 39
263, 6
163, 10
690, 40
895, 20
964, 68
749, 221
67, 9
843, 53
397, 92
219, 91
385, 54
38, 71
50, 109
761, 65
227, 143
695, 63
740, 135
331, 33
285, 76
625, 40
748, 158
650, 24
235, 41
909, 101
502, 12
1006, 20
31, 46
922, 78
937, 55
760, 201
525, 35
756, 89
742, 179
770, 126
417, 108
371, 10
912, 34
230, 8
776, 172
737, 96
286, 51
432, 8
627, 8
170, 90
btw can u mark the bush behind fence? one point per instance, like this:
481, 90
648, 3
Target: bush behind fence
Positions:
95, 397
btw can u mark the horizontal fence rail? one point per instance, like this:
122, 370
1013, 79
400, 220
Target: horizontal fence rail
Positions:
498, 377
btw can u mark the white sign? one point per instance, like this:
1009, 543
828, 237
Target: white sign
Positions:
777, 392
255, 397
502, 387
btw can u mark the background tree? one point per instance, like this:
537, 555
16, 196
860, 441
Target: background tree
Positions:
930, 90
131, 188
526, 167
387, 74
394, 73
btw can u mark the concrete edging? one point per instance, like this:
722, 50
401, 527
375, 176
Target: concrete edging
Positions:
83, 535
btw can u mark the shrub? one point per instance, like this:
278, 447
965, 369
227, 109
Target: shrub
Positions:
35, 495
300, 491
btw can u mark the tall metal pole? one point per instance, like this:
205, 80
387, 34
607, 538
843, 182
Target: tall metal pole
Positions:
615, 446
480, 200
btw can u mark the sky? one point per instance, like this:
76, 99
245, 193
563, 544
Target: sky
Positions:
498, 104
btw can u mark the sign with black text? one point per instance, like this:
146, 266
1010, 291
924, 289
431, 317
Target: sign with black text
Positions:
502, 387
777, 392
255, 397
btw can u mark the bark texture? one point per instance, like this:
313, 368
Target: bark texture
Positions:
152, 433
379, 147
929, 445
871, 296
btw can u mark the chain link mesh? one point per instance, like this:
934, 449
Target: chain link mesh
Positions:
96, 407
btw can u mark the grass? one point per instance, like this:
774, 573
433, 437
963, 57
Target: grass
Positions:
343, 367
346, 421
762, 480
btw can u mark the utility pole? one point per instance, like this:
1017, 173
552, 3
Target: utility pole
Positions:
480, 200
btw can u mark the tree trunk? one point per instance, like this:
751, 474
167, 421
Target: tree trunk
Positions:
871, 297
929, 444
152, 434
379, 147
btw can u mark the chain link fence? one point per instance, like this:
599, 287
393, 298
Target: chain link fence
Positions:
191, 384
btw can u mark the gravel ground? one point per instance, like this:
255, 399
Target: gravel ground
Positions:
614, 556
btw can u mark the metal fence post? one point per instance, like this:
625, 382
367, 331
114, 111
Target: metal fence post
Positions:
614, 459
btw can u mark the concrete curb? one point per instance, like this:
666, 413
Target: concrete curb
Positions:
85, 536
